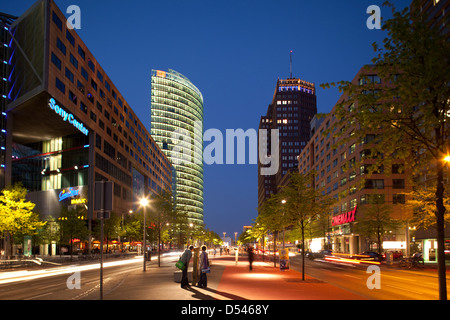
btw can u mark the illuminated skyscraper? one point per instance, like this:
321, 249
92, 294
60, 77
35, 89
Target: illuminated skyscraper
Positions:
177, 124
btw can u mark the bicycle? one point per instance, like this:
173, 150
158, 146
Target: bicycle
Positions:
411, 263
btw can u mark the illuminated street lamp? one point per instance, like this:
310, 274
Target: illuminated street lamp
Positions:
144, 203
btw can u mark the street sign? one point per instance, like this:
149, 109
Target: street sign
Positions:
103, 195
103, 215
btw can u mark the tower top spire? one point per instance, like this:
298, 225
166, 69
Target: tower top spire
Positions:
290, 65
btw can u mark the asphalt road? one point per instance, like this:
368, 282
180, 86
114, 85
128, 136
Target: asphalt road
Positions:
394, 283
59, 283
55, 283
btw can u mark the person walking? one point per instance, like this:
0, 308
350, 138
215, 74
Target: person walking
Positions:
204, 268
185, 258
251, 257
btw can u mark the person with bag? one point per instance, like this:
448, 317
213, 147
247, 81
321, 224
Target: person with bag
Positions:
185, 258
204, 268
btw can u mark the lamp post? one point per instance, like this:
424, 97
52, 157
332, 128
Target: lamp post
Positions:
144, 203
283, 202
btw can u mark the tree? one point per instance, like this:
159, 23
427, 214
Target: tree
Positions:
410, 108
422, 201
72, 224
271, 217
303, 205
16, 214
376, 221
162, 212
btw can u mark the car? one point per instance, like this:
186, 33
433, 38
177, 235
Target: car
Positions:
396, 255
318, 255
370, 255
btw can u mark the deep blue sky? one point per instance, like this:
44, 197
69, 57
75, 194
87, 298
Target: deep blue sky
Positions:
233, 51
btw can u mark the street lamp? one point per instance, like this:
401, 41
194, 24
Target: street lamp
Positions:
283, 202
144, 203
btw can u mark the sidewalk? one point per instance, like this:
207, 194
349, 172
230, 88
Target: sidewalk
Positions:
227, 281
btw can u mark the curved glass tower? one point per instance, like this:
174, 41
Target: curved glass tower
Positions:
177, 127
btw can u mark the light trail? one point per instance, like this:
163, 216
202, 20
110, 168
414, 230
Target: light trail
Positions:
15, 276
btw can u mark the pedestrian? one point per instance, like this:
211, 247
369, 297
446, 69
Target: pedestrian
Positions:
204, 268
185, 258
250, 257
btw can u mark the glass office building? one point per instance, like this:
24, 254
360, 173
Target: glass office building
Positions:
65, 125
177, 127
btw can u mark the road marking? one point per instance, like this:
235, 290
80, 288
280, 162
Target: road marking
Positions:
404, 289
41, 295
401, 278
355, 277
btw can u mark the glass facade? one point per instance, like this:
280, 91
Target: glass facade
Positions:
53, 164
177, 106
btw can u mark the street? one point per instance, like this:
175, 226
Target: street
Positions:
52, 283
396, 284
55, 283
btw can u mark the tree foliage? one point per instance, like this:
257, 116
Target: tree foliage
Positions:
16, 214
410, 108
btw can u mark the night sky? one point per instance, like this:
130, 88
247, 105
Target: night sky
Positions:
234, 52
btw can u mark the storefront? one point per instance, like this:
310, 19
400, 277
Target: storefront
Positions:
341, 237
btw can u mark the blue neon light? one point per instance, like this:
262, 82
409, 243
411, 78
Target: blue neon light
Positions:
67, 116
71, 193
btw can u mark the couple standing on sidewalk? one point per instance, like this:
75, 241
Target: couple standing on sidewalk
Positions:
203, 266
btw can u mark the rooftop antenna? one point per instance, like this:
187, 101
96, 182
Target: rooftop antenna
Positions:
290, 66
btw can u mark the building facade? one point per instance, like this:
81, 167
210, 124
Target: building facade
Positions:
342, 172
177, 127
293, 106
68, 125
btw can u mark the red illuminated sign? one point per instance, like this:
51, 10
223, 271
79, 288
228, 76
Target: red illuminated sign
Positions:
344, 218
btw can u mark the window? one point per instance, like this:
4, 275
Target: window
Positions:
398, 183
99, 76
84, 73
61, 46
60, 85
93, 116
398, 199
94, 85
70, 37
99, 107
107, 86
351, 149
90, 97
374, 184
98, 141
398, 168
57, 20
81, 53
69, 75
56, 61
80, 86
91, 65
372, 199
74, 61
83, 107
73, 97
